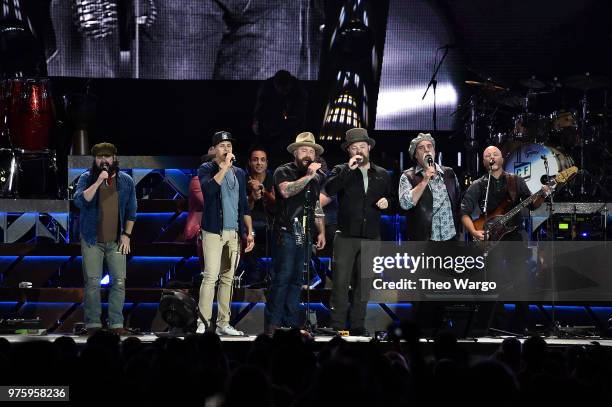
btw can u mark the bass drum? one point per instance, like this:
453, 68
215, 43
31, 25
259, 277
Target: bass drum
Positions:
526, 160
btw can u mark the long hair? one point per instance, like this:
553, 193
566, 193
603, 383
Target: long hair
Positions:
94, 171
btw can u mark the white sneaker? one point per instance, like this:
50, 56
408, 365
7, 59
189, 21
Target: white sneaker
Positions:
201, 327
228, 330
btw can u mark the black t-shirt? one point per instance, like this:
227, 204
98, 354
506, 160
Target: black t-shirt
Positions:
473, 200
289, 208
259, 213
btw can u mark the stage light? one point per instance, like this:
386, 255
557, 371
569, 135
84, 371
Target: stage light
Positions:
179, 310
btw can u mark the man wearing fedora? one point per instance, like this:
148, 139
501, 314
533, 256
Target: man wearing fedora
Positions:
106, 198
226, 217
297, 184
431, 194
364, 191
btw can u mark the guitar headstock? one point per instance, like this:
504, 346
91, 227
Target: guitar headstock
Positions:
566, 175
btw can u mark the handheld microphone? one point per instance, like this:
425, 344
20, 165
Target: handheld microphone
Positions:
430, 160
319, 171
359, 159
491, 161
233, 160
105, 167
95, 18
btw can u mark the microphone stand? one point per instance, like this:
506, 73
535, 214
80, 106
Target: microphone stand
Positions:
433, 82
307, 220
486, 217
554, 330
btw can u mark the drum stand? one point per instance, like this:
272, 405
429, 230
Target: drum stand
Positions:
584, 173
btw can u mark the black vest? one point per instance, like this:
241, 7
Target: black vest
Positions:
418, 219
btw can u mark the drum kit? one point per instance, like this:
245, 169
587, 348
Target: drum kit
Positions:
543, 128
28, 166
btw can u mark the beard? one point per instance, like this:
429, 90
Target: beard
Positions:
95, 170
303, 163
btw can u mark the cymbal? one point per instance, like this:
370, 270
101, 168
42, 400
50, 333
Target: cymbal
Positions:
601, 112
532, 83
586, 82
487, 85
511, 100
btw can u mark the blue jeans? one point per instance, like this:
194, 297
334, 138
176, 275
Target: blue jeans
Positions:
93, 259
283, 302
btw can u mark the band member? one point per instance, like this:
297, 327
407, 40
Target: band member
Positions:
297, 184
363, 190
226, 217
502, 186
260, 189
106, 198
430, 193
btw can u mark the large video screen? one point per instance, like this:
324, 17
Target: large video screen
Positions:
178, 39
416, 33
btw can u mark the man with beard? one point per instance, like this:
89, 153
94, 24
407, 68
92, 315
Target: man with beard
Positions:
431, 195
225, 219
296, 184
106, 198
364, 190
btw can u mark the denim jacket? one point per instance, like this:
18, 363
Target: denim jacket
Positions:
88, 218
212, 218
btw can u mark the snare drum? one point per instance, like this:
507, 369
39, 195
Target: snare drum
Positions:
526, 161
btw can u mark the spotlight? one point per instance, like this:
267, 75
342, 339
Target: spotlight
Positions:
179, 310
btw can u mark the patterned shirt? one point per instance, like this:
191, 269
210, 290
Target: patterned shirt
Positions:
442, 223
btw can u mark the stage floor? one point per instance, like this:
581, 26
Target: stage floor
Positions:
150, 337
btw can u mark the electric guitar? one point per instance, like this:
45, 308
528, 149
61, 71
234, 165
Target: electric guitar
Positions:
495, 224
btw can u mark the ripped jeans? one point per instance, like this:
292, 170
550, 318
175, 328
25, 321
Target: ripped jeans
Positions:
94, 257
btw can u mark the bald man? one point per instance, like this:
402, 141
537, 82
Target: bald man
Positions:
503, 185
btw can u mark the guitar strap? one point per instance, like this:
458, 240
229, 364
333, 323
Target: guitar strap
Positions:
511, 183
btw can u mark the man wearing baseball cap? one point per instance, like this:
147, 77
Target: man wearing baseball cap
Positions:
106, 198
431, 194
364, 191
225, 219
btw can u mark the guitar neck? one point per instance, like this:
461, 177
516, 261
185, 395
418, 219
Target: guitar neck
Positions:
514, 211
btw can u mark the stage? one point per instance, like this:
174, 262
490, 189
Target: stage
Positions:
483, 342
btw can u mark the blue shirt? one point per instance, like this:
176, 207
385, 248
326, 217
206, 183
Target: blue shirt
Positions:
229, 201
88, 217
212, 216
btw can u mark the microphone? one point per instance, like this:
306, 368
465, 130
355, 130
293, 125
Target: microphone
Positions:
491, 162
95, 18
105, 167
430, 160
319, 171
233, 160
359, 159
